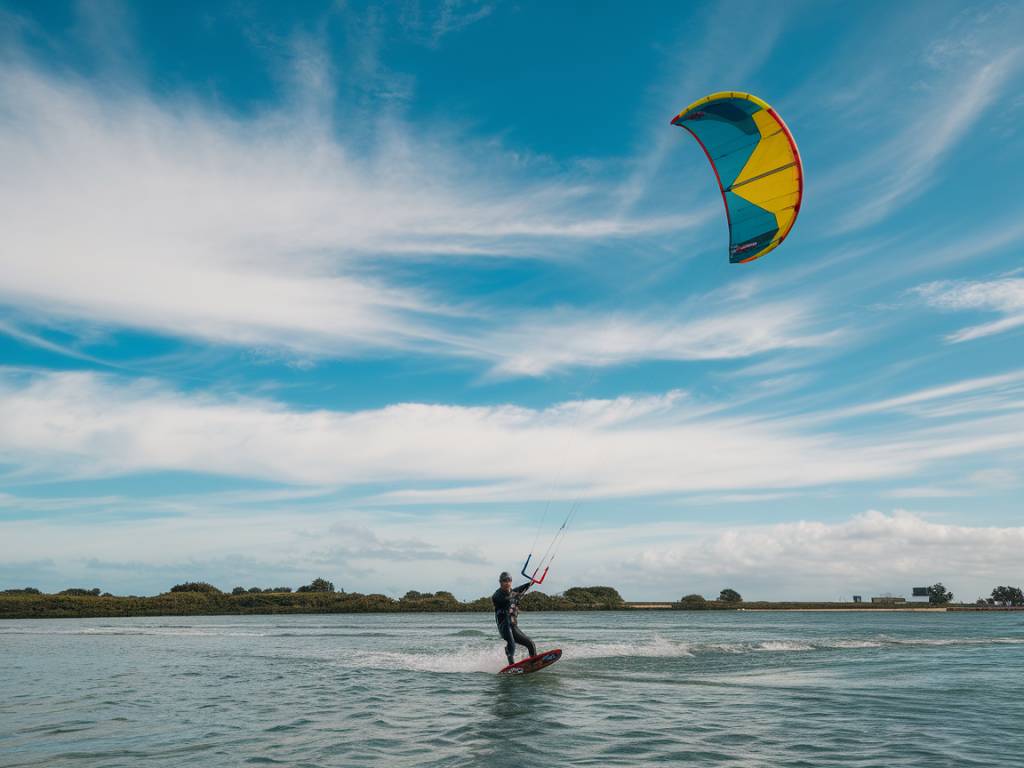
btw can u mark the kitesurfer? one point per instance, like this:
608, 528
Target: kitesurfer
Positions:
506, 612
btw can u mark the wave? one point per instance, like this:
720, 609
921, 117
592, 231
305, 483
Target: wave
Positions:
880, 641
492, 658
777, 646
448, 662
483, 652
657, 647
853, 644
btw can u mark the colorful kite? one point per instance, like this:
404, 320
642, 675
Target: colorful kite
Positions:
757, 166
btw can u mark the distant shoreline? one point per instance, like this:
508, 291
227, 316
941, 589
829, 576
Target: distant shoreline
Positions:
47, 606
824, 608
889, 608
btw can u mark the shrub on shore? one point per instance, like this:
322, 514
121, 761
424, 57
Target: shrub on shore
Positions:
196, 586
1008, 596
595, 597
939, 595
317, 585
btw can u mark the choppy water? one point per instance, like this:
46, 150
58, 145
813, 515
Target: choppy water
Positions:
674, 688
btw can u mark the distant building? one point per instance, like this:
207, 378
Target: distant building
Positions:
858, 599
888, 599
921, 593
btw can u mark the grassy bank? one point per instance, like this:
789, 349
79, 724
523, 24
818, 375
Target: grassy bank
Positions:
28, 606
44, 606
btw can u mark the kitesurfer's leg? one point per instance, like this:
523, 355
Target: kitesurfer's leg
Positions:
522, 639
510, 642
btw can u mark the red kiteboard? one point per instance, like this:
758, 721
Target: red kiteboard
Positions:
532, 664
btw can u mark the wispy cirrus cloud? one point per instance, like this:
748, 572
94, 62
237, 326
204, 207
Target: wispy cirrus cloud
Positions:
983, 394
1004, 296
85, 425
905, 167
430, 21
929, 86
700, 72
569, 339
275, 234
175, 218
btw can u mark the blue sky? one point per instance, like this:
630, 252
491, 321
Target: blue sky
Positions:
358, 291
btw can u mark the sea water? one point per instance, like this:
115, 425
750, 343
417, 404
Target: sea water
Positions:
637, 688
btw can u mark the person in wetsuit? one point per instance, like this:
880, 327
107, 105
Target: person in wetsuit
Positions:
506, 613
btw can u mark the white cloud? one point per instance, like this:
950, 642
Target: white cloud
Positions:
208, 540
1004, 296
278, 231
871, 552
812, 559
566, 339
170, 217
85, 425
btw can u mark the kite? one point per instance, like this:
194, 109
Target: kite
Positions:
757, 166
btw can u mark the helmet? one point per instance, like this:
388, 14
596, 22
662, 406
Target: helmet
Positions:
505, 576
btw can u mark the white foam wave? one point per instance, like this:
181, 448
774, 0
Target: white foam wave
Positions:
853, 644
492, 658
657, 647
783, 646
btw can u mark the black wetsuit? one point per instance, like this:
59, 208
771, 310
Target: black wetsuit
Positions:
506, 612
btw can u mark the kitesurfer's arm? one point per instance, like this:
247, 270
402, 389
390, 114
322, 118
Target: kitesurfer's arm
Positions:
522, 588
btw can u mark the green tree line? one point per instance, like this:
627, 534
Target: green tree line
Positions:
319, 596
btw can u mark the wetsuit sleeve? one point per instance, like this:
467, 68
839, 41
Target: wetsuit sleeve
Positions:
523, 587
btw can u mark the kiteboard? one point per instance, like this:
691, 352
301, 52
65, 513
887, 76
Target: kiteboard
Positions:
533, 663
